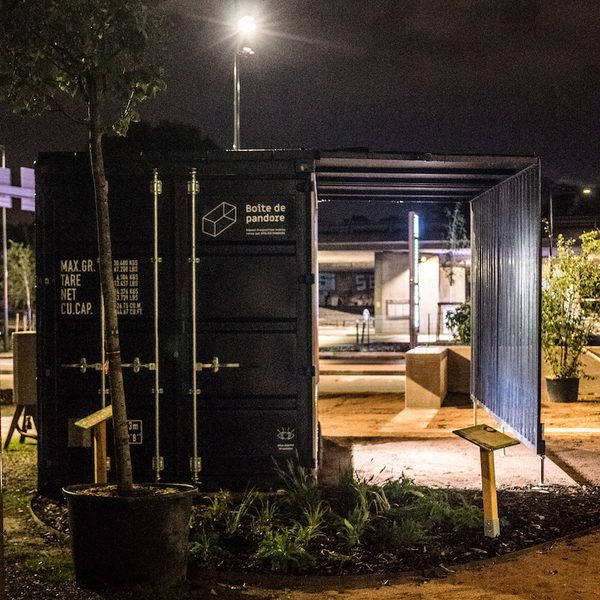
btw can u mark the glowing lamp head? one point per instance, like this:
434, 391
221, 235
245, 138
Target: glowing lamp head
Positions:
586, 191
246, 24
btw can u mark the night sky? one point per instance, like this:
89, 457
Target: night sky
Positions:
449, 76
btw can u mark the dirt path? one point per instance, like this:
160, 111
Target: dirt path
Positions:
567, 570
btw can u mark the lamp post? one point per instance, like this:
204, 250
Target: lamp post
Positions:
244, 26
5, 262
413, 291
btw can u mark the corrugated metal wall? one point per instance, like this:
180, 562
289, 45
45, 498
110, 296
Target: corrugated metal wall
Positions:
505, 300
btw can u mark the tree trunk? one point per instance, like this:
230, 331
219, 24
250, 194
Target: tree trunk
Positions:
113, 349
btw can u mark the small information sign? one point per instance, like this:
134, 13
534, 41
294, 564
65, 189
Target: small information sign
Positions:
486, 437
135, 431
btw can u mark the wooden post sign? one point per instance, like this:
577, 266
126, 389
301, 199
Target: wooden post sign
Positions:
97, 422
488, 439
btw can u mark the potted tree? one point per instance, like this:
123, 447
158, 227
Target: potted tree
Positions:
570, 285
97, 61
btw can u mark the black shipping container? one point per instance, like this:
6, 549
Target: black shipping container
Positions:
240, 276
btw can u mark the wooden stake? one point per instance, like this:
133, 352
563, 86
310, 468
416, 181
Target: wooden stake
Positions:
488, 440
491, 522
100, 475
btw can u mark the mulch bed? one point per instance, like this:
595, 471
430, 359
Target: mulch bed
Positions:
530, 516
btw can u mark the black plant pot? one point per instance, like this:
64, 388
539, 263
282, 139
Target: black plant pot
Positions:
126, 541
563, 390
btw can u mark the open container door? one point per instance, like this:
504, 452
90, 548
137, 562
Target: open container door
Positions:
506, 276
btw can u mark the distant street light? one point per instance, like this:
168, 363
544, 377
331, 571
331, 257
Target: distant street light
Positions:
585, 191
246, 25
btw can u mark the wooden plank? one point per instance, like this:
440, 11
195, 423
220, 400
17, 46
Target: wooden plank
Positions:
100, 475
96, 417
491, 521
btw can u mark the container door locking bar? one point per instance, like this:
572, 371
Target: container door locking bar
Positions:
83, 365
215, 365
136, 366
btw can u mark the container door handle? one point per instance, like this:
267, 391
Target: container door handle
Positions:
83, 365
215, 365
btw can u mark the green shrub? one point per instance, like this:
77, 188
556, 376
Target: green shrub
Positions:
459, 323
339, 524
217, 506
398, 531
284, 550
235, 517
300, 491
205, 546
265, 517
401, 491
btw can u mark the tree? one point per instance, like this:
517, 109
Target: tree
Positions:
457, 237
166, 136
21, 276
96, 61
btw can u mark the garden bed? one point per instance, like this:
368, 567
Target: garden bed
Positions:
355, 528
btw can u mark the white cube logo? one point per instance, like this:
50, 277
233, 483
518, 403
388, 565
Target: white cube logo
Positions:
219, 219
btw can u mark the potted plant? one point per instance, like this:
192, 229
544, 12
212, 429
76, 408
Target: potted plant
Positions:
570, 285
97, 61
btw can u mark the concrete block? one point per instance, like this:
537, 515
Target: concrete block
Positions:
459, 369
426, 377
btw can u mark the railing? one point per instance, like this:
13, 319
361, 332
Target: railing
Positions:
354, 329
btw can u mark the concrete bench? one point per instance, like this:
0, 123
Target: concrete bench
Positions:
432, 372
426, 377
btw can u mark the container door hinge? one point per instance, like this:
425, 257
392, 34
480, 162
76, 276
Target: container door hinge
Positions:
156, 187
195, 464
158, 463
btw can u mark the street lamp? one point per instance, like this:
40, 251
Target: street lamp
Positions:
585, 191
5, 261
246, 25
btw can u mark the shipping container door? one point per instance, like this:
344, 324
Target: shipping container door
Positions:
71, 361
254, 294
